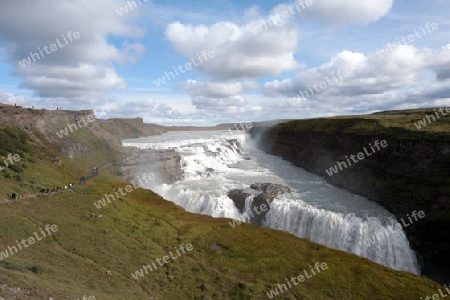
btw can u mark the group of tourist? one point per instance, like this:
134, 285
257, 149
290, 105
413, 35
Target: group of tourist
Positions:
69, 186
14, 196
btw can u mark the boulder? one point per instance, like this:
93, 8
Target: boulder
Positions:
238, 197
268, 192
270, 189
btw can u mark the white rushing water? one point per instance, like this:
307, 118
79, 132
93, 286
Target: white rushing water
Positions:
215, 162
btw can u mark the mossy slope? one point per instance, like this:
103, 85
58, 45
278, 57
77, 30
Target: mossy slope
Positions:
142, 226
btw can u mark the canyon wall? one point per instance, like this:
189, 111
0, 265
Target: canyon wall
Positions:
411, 173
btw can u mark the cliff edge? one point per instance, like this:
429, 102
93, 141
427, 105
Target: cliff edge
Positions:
411, 173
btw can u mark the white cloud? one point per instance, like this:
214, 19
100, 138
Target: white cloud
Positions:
136, 108
13, 99
212, 89
79, 75
80, 70
230, 104
239, 52
366, 74
219, 97
83, 82
343, 12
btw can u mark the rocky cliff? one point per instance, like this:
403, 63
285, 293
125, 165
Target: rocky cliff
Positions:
64, 128
411, 173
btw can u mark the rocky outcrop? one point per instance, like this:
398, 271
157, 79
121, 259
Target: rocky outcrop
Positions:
270, 189
267, 192
411, 173
50, 122
238, 197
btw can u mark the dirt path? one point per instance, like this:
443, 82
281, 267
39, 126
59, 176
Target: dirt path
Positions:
86, 178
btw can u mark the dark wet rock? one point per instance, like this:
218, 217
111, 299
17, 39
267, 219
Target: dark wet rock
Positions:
268, 192
238, 197
260, 204
234, 145
271, 189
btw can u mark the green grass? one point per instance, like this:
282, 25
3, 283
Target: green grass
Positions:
37, 169
142, 226
13, 141
398, 123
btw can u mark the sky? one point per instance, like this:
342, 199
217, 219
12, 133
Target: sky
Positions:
225, 61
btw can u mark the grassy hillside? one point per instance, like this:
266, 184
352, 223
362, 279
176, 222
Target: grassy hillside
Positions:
142, 226
42, 165
398, 123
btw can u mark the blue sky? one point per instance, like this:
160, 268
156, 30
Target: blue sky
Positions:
283, 70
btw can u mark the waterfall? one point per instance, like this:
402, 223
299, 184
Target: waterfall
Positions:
217, 162
367, 237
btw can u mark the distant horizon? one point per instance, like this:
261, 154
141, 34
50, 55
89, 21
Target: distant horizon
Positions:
230, 123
